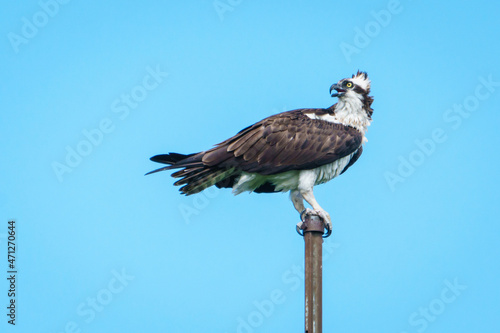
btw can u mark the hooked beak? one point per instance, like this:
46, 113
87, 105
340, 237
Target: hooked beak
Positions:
337, 88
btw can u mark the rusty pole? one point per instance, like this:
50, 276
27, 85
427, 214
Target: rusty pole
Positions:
313, 229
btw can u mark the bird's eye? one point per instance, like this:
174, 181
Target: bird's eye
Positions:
348, 84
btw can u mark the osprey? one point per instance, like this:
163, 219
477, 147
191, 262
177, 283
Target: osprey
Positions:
290, 151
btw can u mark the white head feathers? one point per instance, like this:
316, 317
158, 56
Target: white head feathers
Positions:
361, 79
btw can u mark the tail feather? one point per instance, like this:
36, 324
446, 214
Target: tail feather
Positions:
194, 174
170, 158
158, 170
198, 184
175, 161
186, 172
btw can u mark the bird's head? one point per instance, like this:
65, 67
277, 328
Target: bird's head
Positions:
359, 85
356, 87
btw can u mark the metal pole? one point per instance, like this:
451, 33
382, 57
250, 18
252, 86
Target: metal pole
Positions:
313, 229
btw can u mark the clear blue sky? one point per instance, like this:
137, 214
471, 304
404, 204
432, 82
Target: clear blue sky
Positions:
91, 90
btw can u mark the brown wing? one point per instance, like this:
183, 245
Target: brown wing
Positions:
286, 141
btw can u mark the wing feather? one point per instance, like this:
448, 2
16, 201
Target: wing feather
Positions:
286, 141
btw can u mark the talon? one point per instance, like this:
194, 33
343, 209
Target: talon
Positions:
299, 227
326, 221
328, 227
305, 212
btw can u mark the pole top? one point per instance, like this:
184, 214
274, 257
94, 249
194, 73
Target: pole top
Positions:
312, 223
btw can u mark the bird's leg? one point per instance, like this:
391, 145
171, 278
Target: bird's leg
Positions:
298, 200
298, 203
309, 197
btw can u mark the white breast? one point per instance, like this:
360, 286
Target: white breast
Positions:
327, 172
349, 112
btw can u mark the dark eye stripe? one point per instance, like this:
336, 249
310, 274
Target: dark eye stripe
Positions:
359, 90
